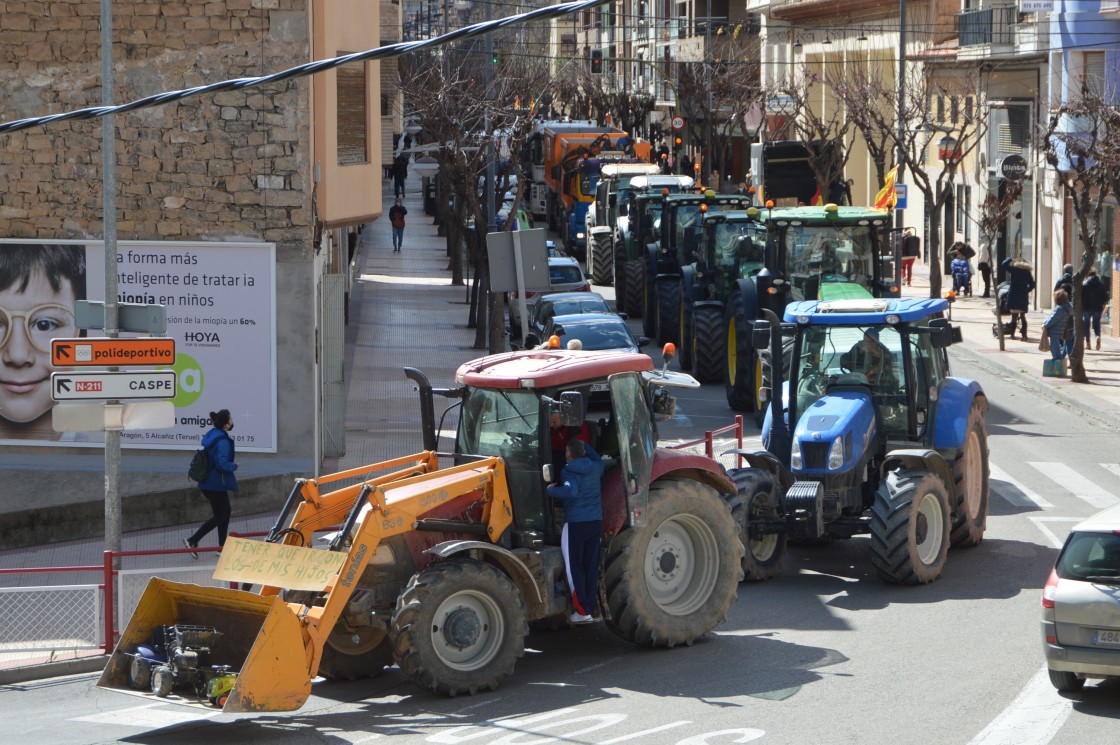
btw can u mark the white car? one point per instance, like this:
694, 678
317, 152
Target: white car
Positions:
1081, 604
564, 275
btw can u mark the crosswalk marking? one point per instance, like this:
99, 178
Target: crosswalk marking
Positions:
1074, 482
1113, 468
1014, 491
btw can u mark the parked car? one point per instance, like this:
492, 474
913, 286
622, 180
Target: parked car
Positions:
551, 304
564, 275
1081, 604
595, 331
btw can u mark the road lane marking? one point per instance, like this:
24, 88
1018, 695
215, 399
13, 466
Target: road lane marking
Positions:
1014, 491
1033, 718
1114, 468
151, 716
1073, 481
643, 733
1055, 541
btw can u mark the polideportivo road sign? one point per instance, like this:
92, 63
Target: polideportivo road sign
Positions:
101, 352
105, 385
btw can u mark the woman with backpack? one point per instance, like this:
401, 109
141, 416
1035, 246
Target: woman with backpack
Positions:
219, 481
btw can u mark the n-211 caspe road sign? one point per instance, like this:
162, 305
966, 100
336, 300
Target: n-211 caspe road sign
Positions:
116, 386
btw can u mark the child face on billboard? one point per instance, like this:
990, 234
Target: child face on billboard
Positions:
29, 318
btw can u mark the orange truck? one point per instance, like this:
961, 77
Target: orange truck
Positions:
572, 159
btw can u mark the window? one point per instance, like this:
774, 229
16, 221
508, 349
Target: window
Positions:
351, 109
1092, 73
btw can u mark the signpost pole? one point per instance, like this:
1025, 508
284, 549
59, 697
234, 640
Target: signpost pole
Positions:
519, 267
109, 221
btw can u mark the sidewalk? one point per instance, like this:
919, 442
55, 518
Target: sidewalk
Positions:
1021, 360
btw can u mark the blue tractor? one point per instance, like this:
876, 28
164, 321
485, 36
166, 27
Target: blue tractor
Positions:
870, 434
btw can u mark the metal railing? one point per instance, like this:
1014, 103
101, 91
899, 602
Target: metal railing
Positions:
710, 440
988, 26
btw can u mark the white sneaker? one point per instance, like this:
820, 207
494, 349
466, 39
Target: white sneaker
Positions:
581, 618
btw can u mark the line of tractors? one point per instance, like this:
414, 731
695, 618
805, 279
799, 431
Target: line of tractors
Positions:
449, 556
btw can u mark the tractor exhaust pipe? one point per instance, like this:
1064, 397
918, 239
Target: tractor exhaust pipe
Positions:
780, 437
427, 406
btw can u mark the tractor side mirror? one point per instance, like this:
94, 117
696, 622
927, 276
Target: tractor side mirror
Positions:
571, 408
760, 335
942, 334
643, 341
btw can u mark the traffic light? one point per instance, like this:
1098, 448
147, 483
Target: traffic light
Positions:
596, 61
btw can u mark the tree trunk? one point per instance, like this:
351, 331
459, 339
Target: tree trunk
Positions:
482, 330
1077, 372
933, 251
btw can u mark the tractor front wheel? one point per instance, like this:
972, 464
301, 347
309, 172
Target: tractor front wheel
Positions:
739, 378
970, 472
668, 310
633, 288
601, 248
351, 654
765, 551
459, 627
671, 580
910, 528
708, 345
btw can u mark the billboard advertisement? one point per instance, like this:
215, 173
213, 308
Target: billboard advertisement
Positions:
221, 309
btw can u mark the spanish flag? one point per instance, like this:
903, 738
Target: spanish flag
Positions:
886, 198
817, 200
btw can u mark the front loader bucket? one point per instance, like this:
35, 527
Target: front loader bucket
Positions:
261, 642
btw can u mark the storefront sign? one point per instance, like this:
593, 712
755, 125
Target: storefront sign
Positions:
1013, 167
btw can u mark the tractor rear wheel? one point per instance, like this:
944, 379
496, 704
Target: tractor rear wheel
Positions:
765, 551
601, 248
738, 381
708, 345
668, 310
632, 288
459, 627
970, 472
352, 654
910, 527
670, 581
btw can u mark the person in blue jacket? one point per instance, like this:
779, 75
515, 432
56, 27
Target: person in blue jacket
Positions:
579, 489
220, 481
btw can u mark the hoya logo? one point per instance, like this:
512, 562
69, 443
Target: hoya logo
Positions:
202, 336
352, 570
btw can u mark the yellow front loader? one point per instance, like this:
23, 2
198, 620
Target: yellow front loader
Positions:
271, 642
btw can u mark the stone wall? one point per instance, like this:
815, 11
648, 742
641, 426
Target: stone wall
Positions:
231, 166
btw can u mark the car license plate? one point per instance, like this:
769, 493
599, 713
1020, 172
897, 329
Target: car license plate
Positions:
1106, 637
599, 387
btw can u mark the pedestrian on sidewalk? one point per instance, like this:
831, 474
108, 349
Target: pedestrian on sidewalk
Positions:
1057, 325
962, 275
1094, 297
1020, 282
396, 219
581, 493
1065, 282
985, 270
400, 173
220, 481
911, 251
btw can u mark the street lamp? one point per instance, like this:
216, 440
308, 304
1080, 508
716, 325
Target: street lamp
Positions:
425, 166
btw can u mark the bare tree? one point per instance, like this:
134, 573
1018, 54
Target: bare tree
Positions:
939, 108
824, 130
1080, 143
992, 215
859, 88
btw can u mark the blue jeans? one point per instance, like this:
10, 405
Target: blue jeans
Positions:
398, 238
1091, 320
398, 187
1057, 346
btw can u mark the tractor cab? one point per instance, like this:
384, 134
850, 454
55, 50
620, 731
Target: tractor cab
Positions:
846, 353
511, 402
733, 245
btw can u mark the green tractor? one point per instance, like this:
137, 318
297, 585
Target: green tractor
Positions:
681, 226
753, 260
611, 203
637, 227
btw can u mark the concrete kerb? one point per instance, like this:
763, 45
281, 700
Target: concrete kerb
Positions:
58, 669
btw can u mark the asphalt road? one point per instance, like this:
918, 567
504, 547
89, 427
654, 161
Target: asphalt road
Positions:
825, 653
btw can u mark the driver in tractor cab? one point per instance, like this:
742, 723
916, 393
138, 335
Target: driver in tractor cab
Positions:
559, 435
869, 357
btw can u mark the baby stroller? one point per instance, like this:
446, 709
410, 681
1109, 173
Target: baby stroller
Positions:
1004, 310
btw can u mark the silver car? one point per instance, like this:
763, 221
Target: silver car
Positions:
564, 275
1081, 604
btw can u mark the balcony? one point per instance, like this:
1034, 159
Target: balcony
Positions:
988, 27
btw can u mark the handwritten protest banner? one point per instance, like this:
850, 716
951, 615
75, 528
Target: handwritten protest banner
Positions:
291, 567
